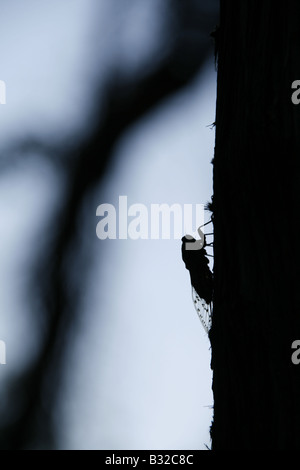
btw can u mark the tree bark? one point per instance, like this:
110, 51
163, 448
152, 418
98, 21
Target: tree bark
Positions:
256, 314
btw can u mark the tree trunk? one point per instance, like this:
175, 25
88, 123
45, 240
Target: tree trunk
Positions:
256, 203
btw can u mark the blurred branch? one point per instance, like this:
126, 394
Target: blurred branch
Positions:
86, 165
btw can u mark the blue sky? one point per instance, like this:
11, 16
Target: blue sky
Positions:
138, 373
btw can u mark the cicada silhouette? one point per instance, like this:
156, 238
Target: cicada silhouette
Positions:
196, 260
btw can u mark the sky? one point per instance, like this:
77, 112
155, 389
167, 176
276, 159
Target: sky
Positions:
138, 374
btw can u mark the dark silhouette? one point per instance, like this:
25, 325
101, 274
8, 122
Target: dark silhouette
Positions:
256, 251
197, 263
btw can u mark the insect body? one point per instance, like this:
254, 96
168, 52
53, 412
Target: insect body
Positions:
196, 261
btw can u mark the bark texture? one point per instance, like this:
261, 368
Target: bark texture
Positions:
256, 209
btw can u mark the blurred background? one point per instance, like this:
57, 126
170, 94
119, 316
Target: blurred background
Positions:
104, 98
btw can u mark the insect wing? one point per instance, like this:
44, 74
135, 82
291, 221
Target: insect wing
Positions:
203, 310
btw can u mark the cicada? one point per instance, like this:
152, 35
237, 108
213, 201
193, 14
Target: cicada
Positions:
196, 260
